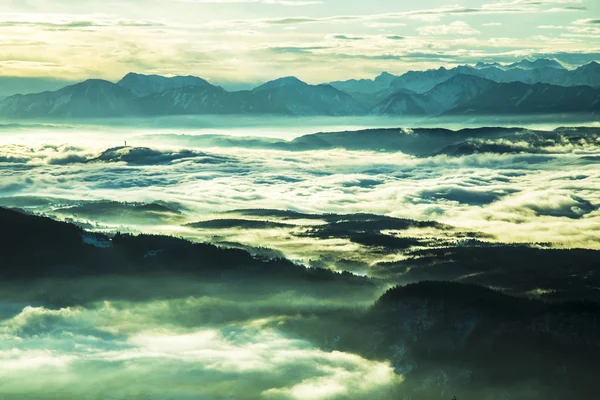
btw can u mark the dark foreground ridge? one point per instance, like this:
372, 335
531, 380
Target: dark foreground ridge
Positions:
442, 337
423, 142
33, 247
448, 337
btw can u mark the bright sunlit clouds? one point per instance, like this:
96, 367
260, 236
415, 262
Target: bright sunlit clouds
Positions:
229, 41
79, 343
552, 197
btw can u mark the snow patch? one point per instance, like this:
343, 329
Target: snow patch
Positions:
525, 96
96, 241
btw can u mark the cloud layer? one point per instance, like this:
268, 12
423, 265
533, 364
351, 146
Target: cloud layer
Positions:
255, 40
172, 337
122, 350
548, 187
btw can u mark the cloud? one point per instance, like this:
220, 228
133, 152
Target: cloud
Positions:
96, 351
431, 14
347, 37
274, 2
587, 21
461, 195
532, 2
454, 28
300, 50
66, 22
551, 204
234, 47
551, 27
471, 187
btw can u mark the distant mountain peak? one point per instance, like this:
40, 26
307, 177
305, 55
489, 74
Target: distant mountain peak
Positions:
591, 65
539, 63
590, 72
94, 82
385, 78
288, 80
143, 85
132, 74
429, 92
281, 82
94, 85
482, 65
173, 77
365, 86
384, 75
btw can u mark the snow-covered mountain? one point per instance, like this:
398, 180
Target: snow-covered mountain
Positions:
588, 74
482, 65
544, 71
519, 98
188, 100
423, 81
400, 103
285, 82
467, 94
535, 64
365, 86
292, 96
93, 98
524, 87
143, 85
443, 97
455, 91
284, 96
183, 96
523, 64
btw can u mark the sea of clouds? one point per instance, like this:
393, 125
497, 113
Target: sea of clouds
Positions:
189, 348
197, 347
552, 196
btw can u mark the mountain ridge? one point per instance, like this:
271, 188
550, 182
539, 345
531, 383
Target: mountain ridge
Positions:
416, 93
143, 85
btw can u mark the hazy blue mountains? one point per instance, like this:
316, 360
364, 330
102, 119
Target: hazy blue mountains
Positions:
93, 98
523, 88
143, 85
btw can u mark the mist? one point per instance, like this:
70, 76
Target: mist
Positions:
299, 200
261, 258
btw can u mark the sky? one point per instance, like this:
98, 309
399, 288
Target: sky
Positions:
228, 41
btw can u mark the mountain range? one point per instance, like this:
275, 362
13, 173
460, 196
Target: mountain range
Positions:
527, 87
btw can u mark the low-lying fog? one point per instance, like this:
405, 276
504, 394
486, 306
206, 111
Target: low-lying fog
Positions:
247, 184
551, 195
214, 345
273, 127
